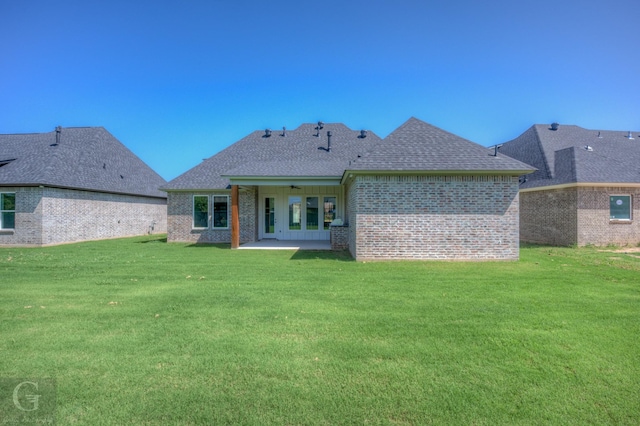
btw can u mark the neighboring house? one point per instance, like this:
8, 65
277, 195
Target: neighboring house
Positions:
586, 189
75, 184
421, 193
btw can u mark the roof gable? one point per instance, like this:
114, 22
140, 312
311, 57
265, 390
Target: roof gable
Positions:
419, 146
87, 158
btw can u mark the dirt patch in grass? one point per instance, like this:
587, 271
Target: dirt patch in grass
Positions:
631, 251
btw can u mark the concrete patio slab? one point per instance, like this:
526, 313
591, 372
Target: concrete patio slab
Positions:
286, 245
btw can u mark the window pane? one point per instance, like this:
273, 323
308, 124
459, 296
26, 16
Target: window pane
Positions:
201, 211
329, 211
8, 220
7, 201
269, 215
312, 213
620, 207
295, 213
220, 209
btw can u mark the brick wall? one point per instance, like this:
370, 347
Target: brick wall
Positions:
339, 237
180, 218
549, 217
47, 216
28, 218
578, 215
434, 217
594, 226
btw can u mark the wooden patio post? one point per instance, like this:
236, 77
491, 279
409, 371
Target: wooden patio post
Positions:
235, 218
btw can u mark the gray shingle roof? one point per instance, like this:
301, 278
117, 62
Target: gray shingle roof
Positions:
419, 146
573, 154
295, 155
87, 158
414, 146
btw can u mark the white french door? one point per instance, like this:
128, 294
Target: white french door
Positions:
269, 218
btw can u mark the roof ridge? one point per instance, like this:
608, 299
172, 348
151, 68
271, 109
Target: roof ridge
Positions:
544, 154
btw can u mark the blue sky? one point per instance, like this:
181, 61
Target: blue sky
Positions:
178, 81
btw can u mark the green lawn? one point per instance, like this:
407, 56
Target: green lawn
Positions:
138, 331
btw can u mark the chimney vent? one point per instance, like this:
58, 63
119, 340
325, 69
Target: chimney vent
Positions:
554, 126
267, 133
58, 131
363, 134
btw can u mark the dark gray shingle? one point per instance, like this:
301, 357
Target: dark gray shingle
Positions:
419, 146
296, 154
87, 158
573, 154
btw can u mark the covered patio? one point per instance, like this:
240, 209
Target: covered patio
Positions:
270, 244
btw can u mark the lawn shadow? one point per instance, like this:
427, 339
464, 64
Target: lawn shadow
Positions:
156, 239
217, 246
342, 255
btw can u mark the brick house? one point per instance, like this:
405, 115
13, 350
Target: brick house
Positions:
421, 193
75, 184
586, 189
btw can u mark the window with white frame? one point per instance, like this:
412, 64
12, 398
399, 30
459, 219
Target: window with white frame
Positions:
211, 208
329, 211
200, 211
7, 210
620, 207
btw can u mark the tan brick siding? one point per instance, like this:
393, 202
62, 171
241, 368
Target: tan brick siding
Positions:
594, 225
46, 216
434, 217
180, 218
549, 217
577, 215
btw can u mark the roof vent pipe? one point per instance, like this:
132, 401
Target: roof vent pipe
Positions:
629, 136
267, 133
284, 131
599, 135
554, 126
58, 131
363, 134
329, 141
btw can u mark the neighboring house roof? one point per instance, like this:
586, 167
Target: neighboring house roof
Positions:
294, 153
86, 158
419, 146
572, 154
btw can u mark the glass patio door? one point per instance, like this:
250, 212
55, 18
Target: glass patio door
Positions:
269, 218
